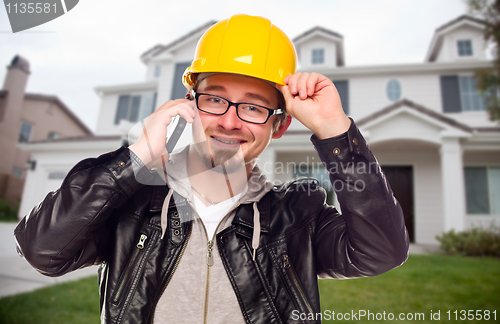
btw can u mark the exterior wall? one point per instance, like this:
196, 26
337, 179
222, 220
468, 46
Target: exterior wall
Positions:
107, 112
368, 92
45, 117
109, 105
317, 42
58, 159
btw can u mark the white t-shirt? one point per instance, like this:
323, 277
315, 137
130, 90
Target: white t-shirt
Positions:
212, 215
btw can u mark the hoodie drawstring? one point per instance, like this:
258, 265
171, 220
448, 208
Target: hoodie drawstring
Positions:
164, 211
256, 229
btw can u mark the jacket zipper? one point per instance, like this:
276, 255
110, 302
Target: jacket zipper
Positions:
288, 268
210, 260
210, 263
131, 266
173, 269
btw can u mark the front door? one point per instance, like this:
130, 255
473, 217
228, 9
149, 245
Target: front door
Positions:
401, 180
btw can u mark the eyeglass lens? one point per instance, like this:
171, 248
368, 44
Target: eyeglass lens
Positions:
217, 105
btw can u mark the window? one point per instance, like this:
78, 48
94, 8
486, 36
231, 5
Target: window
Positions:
482, 187
157, 71
53, 135
459, 93
464, 47
318, 56
18, 172
25, 132
343, 90
135, 107
469, 95
319, 172
57, 175
393, 90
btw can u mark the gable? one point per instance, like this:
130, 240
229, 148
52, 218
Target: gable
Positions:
444, 45
406, 120
404, 125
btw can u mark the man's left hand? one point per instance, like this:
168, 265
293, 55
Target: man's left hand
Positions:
313, 100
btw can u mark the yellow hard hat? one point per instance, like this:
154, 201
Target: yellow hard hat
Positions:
246, 45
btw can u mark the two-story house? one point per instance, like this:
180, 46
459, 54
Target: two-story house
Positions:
425, 122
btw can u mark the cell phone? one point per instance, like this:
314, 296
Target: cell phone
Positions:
177, 125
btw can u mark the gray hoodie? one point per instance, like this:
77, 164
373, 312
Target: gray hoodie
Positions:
198, 293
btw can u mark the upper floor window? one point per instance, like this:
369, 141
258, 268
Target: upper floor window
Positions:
459, 93
178, 89
157, 71
135, 107
53, 135
464, 47
343, 90
318, 56
482, 190
19, 173
470, 97
25, 132
393, 90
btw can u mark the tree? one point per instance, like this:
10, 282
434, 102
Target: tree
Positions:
488, 80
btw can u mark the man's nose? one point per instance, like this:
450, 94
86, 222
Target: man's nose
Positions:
230, 119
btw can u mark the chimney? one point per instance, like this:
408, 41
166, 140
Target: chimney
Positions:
13, 90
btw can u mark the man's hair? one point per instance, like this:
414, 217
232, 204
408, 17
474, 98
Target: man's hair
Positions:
282, 117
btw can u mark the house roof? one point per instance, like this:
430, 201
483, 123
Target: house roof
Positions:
459, 19
57, 101
421, 109
437, 40
157, 49
425, 111
84, 138
320, 29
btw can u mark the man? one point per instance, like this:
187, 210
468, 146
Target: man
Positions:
217, 243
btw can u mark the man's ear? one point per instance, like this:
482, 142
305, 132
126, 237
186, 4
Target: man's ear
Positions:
283, 127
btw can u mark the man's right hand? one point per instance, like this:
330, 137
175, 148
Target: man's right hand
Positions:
151, 144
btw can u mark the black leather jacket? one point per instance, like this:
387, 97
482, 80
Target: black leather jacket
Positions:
101, 215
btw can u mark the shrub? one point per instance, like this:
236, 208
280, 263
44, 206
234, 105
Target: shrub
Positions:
8, 212
473, 242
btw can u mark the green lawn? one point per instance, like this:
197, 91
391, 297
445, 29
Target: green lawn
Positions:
423, 284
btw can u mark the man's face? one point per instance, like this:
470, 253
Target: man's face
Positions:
227, 133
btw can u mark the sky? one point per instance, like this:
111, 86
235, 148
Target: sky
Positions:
99, 43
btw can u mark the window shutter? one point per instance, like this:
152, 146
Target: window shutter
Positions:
450, 94
134, 109
122, 109
343, 89
178, 89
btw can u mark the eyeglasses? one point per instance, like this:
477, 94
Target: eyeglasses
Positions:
251, 113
